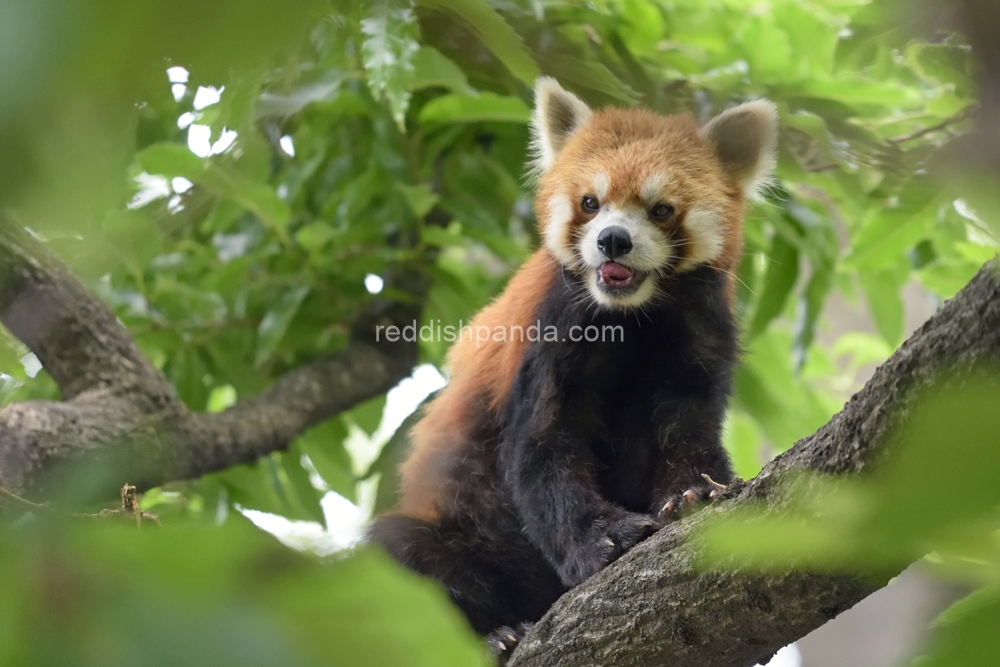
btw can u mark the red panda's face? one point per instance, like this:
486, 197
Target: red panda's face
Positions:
627, 198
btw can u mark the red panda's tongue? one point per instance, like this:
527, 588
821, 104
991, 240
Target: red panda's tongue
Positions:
615, 275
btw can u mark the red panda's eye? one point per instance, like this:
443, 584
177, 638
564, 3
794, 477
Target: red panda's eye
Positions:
590, 204
661, 211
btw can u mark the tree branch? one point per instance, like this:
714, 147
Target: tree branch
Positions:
78, 340
655, 607
121, 411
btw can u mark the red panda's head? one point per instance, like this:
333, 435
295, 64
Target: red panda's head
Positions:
627, 198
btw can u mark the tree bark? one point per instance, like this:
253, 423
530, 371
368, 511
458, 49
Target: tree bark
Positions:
120, 411
654, 606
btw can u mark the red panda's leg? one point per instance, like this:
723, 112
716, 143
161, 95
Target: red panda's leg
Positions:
578, 531
549, 470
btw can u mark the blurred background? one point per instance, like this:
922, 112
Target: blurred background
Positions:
237, 181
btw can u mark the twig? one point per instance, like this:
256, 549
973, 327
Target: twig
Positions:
21, 501
820, 167
957, 118
128, 510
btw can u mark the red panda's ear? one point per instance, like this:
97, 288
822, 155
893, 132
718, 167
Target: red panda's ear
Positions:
744, 139
557, 115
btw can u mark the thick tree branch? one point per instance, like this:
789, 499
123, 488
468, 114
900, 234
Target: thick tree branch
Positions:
655, 607
120, 410
77, 339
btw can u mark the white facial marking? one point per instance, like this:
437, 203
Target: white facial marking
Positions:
705, 238
651, 251
652, 188
601, 184
646, 290
650, 248
557, 230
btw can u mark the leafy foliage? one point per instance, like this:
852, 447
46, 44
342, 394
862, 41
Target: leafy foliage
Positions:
887, 521
229, 596
369, 133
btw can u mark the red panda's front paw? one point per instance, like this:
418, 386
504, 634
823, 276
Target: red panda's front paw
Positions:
608, 538
504, 640
680, 504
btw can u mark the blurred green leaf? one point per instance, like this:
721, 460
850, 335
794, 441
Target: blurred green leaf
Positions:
494, 32
484, 107
782, 272
306, 495
275, 323
967, 633
432, 69
229, 596
324, 445
885, 302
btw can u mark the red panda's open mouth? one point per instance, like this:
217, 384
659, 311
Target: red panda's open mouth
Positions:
614, 277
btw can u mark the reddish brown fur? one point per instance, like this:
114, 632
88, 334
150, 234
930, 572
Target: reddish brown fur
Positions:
481, 375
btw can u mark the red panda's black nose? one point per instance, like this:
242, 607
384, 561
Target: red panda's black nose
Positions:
614, 241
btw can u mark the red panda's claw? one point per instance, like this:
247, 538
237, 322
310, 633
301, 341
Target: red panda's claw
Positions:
717, 488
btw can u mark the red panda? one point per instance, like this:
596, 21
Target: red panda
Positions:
544, 460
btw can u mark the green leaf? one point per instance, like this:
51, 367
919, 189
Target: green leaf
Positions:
272, 328
973, 604
782, 272
324, 445
238, 102
229, 597
484, 107
187, 373
494, 32
321, 89
810, 307
221, 398
742, 440
968, 634
420, 198
260, 198
779, 399
368, 415
389, 47
767, 48
10, 355
588, 74
885, 302
218, 176
431, 69
170, 159
253, 486
889, 232
307, 496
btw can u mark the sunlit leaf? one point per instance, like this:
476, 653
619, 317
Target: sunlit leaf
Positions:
390, 45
